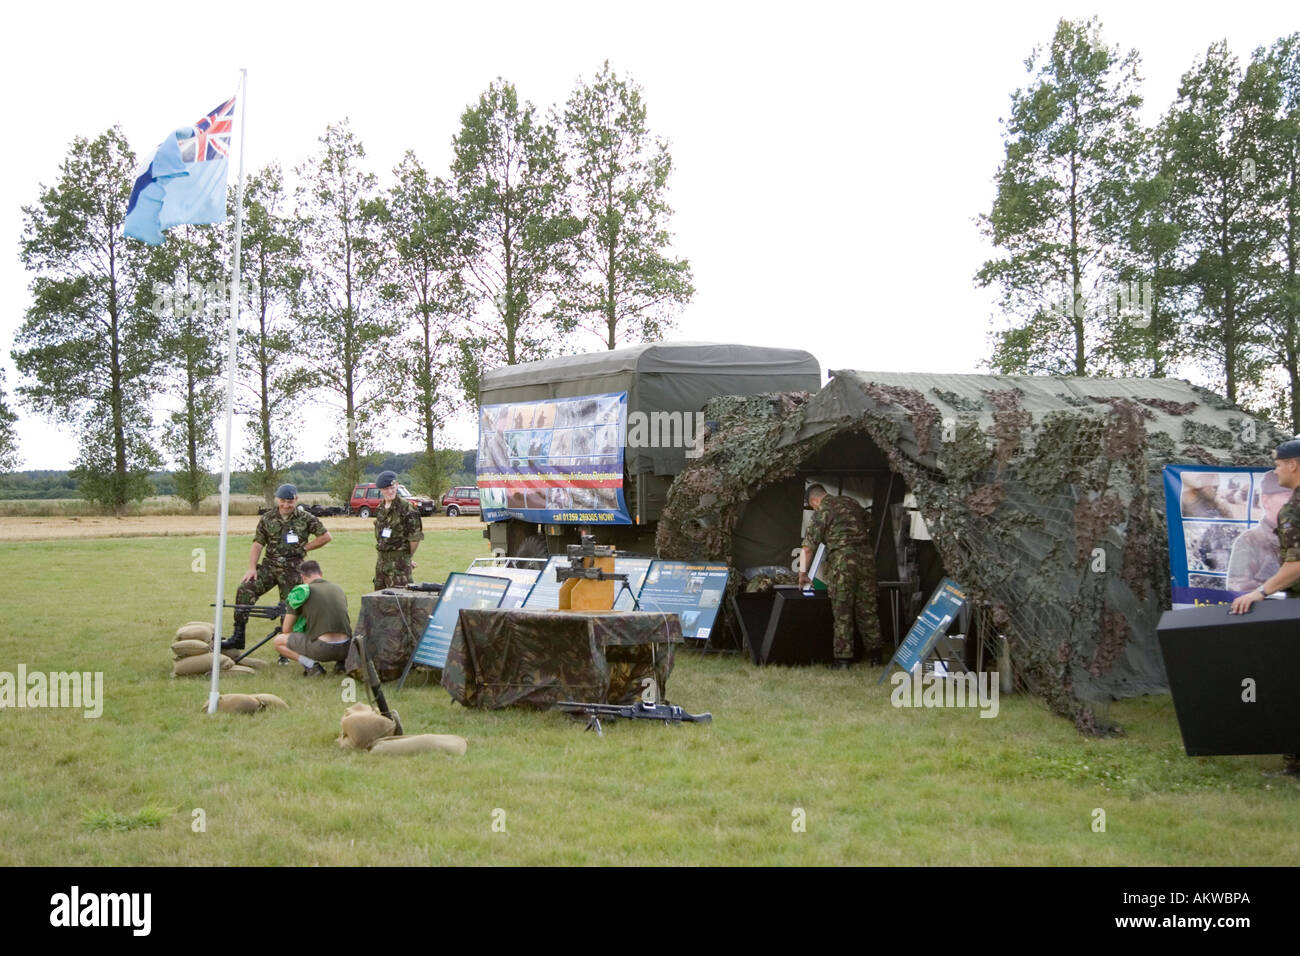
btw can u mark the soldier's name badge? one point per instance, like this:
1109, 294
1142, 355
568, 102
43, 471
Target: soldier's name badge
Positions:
386, 533
291, 538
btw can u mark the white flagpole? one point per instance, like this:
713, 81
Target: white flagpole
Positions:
232, 358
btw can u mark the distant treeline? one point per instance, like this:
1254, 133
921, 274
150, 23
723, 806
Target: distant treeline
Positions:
308, 477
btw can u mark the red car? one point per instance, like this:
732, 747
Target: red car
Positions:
366, 498
462, 500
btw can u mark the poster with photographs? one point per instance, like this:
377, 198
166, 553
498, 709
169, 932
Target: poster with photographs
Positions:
558, 461
1222, 523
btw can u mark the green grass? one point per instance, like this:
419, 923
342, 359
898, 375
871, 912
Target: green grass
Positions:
155, 780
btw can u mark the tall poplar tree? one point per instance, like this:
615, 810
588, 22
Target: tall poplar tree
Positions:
424, 285
89, 343
9, 459
1073, 140
626, 286
1213, 137
515, 227
273, 378
338, 311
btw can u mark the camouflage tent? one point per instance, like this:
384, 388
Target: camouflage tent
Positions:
1043, 496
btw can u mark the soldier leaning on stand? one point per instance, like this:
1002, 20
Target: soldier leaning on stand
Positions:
848, 568
398, 532
287, 533
1287, 468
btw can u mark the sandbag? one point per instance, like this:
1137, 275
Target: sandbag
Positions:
420, 743
237, 704
190, 648
237, 669
195, 631
362, 726
271, 702
198, 664
255, 663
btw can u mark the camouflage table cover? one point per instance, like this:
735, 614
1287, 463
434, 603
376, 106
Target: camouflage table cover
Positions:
499, 658
392, 625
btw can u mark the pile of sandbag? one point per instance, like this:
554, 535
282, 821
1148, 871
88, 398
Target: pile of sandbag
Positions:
247, 703
192, 653
365, 728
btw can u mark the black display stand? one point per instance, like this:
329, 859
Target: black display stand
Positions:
786, 626
1233, 676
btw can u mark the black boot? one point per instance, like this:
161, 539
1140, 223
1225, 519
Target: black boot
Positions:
235, 642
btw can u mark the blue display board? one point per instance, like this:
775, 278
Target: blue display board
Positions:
558, 461
460, 591
1221, 532
691, 590
932, 623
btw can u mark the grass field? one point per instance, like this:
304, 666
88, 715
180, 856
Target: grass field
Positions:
870, 783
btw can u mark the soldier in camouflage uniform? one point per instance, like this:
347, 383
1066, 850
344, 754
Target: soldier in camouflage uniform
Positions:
398, 532
287, 533
848, 568
1287, 462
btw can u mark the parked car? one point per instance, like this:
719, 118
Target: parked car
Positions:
461, 501
366, 498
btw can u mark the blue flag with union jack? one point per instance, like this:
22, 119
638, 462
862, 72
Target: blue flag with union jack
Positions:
185, 180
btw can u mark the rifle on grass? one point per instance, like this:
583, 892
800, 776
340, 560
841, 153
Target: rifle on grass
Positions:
270, 612
667, 713
371, 678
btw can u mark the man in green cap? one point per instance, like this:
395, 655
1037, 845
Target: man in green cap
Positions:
317, 627
398, 532
286, 532
1286, 460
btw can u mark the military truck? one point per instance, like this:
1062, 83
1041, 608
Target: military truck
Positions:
593, 442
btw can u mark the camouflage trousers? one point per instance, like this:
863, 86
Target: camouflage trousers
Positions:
852, 590
392, 569
268, 576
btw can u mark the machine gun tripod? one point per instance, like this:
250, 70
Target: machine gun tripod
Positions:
270, 612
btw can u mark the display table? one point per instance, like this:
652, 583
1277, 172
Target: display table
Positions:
392, 625
500, 658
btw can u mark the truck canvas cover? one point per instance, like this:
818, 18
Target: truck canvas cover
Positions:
557, 438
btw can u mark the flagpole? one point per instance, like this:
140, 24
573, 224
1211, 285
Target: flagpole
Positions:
231, 364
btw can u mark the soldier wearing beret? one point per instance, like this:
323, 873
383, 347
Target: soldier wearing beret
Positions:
849, 570
1287, 468
286, 532
398, 532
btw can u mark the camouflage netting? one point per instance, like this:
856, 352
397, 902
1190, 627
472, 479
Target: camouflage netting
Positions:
1043, 496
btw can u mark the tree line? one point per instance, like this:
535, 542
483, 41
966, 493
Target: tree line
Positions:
1126, 249
385, 303
307, 476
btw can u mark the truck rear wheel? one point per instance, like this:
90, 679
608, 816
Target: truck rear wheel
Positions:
533, 546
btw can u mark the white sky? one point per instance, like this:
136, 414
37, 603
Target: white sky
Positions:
829, 163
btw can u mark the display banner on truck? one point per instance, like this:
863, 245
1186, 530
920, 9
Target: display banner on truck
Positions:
1222, 524
557, 461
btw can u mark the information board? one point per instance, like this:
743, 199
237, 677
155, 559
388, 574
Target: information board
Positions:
521, 581
691, 590
932, 623
460, 591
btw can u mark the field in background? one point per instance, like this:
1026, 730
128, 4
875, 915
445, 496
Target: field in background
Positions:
33, 529
158, 505
869, 783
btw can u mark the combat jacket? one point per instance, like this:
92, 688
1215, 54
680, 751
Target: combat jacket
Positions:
285, 539
1288, 539
396, 525
839, 522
